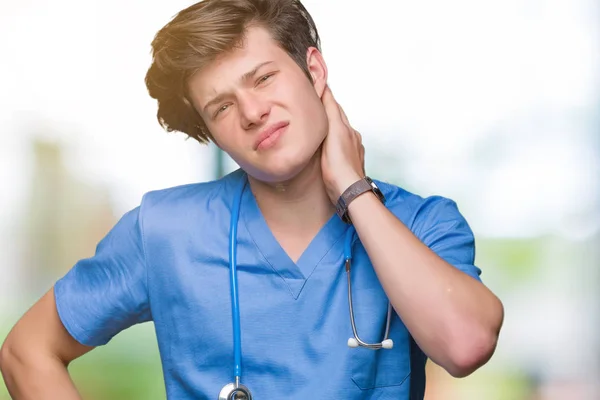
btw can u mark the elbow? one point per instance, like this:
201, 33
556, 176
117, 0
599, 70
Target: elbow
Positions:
6, 354
474, 347
9, 356
469, 357
12, 357
473, 350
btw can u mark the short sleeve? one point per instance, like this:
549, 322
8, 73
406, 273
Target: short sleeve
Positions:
107, 293
440, 225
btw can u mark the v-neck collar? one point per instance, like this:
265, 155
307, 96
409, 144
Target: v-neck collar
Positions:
294, 274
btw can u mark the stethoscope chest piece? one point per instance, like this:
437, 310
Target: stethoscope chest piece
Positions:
231, 391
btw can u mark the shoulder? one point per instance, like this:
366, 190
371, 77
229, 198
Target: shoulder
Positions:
438, 223
170, 211
416, 211
193, 194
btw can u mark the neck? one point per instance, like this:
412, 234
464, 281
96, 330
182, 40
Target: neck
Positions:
300, 205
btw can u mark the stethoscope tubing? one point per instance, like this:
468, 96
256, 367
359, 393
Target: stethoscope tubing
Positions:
235, 302
348, 242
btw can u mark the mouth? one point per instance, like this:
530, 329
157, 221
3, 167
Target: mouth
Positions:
268, 137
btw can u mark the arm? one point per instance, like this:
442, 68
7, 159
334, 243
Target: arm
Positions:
36, 353
453, 317
98, 298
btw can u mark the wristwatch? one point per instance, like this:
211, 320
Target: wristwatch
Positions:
356, 189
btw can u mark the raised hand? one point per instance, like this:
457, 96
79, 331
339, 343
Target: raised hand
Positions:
343, 154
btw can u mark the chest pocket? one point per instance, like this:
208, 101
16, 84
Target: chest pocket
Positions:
385, 367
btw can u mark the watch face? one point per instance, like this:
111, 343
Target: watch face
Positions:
376, 189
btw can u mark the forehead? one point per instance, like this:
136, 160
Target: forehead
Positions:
225, 72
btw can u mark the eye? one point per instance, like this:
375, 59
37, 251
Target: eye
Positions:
222, 109
262, 79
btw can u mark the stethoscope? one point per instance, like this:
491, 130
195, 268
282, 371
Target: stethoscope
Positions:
237, 391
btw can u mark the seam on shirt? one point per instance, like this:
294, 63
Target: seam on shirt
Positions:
75, 330
272, 266
428, 213
143, 236
453, 223
267, 260
326, 253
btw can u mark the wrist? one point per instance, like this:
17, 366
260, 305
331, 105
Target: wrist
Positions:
357, 189
342, 184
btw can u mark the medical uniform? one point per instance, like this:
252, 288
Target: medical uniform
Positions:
166, 261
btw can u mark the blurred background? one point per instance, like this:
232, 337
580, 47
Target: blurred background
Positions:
494, 104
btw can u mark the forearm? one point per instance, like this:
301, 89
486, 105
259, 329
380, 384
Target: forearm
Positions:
454, 318
36, 377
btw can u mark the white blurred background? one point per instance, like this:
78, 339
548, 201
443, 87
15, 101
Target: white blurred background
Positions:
494, 104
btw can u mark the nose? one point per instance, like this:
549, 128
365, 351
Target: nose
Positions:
254, 110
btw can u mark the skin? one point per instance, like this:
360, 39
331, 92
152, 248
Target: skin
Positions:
36, 353
454, 318
286, 179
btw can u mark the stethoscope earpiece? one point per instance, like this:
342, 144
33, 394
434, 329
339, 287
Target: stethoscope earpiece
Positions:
386, 344
355, 342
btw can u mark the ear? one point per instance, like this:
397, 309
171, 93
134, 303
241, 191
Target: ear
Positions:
318, 70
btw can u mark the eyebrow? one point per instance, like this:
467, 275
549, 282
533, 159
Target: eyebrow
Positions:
248, 75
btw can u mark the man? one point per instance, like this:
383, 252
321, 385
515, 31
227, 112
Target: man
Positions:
248, 75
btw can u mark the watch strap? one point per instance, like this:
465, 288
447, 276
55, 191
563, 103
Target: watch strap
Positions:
352, 192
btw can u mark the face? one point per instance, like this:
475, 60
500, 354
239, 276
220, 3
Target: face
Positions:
261, 108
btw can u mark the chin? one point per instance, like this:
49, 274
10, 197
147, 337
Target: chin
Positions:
277, 169
274, 173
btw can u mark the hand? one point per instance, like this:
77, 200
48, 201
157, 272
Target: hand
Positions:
343, 154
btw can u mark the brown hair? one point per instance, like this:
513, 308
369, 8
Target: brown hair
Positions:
200, 33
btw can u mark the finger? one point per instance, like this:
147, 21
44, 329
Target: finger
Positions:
344, 116
332, 108
362, 158
358, 135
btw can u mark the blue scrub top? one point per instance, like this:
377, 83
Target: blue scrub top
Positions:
166, 261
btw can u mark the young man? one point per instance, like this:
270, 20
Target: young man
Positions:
248, 75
